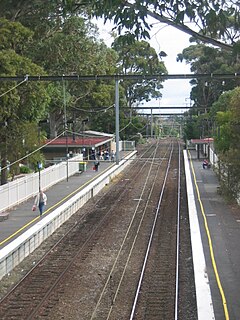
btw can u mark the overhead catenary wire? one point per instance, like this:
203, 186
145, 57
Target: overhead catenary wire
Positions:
20, 83
130, 123
94, 111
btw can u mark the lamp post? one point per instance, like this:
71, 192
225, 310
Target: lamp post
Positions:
39, 166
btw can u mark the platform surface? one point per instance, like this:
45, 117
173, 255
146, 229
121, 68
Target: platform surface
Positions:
221, 222
21, 217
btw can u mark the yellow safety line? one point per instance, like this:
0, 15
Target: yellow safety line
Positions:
56, 204
224, 302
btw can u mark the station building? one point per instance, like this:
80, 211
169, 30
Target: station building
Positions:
89, 144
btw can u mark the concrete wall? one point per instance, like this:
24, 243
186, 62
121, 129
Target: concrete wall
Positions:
12, 254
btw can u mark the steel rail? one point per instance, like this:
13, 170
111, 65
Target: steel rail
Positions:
178, 236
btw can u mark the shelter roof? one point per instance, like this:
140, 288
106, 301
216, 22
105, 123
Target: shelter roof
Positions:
82, 141
202, 141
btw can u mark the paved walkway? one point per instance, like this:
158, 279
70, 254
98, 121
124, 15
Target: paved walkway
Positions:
22, 217
220, 231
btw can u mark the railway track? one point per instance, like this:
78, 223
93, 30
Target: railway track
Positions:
95, 268
160, 270
147, 260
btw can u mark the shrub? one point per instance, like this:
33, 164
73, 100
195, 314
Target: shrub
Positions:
25, 169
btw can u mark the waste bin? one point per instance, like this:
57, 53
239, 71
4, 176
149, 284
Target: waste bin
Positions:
82, 166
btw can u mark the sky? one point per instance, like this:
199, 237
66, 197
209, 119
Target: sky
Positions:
172, 41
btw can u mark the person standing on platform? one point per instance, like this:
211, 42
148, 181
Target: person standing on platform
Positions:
112, 156
106, 155
96, 165
205, 164
40, 201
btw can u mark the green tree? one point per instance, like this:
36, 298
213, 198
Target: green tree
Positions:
20, 102
227, 139
228, 121
191, 128
205, 92
215, 19
204, 59
139, 58
74, 48
28, 139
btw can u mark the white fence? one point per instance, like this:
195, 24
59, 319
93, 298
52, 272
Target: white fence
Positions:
126, 145
17, 191
213, 157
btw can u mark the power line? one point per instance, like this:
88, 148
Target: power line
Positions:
3, 94
92, 111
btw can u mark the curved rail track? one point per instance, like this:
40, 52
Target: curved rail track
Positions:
120, 259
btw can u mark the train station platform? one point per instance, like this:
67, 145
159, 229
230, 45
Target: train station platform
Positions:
21, 217
219, 227
215, 229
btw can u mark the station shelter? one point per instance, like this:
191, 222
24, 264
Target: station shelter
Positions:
89, 144
202, 147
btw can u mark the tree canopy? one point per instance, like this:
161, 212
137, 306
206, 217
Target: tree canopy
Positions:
216, 20
20, 103
74, 48
139, 58
227, 115
206, 59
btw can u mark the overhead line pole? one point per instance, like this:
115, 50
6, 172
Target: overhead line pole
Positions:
65, 123
117, 119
